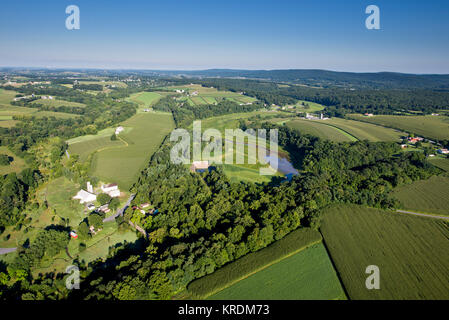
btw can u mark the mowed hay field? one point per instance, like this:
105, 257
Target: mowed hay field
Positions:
426, 196
6, 96
411, 252
366, 131
320, 130
145, 99
123, 164
85, 145
307, 275
434, 127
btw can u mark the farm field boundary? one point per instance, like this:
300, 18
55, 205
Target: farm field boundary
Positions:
252, 263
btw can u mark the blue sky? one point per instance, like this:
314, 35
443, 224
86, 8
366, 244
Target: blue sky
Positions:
244, 34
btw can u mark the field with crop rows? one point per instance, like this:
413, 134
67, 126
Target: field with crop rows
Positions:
411, 252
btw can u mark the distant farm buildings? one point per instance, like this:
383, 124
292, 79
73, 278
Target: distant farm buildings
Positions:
199, 166
118, 130
111, 189
314, 117
443, 151
369, 115
73, 235
415, 139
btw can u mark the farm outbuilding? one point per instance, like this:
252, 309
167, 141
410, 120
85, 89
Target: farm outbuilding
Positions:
84, 197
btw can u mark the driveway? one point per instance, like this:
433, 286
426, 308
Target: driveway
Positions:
121, 210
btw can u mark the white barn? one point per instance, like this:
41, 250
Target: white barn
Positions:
84, 197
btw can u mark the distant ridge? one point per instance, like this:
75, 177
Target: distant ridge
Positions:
310, 77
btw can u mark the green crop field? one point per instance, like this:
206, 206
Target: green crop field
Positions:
307, 275
366, 131
427, 196
17, 165
433, 127
411, 252
442, 163
320, 130
254, 262
123, 164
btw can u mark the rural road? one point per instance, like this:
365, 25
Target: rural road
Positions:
121, 210
423, 214
7, 250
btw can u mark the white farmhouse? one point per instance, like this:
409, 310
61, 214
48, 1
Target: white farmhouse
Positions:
111, 189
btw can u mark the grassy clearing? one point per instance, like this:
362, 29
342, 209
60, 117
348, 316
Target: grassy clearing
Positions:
308, 106
58, 103
320, 130
253, 263
426, 196
145, 99
434, 127
307, 275
411, 252
366, 131
238, 173
17, 165
59, 193
123, 164
6, 96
